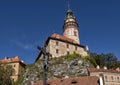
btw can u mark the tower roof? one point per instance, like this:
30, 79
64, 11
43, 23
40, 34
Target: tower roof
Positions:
70, 13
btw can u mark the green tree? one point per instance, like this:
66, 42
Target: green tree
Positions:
92, 60
5, 73
98, 58
109, 60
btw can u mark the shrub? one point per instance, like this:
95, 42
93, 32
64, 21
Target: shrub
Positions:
92, 60
72, 56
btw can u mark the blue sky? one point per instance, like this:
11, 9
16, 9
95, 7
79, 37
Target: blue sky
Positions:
24, 24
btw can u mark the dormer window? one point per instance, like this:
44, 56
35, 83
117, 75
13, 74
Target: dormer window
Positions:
48, 83
73, 82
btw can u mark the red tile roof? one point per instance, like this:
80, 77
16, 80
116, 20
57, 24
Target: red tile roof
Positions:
57, 36
88, 80
11, 60
102, 70
60, 38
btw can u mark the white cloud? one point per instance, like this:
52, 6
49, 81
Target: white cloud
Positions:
23, 45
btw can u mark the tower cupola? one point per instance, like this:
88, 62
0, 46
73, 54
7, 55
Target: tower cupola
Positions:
69, 13
70, 27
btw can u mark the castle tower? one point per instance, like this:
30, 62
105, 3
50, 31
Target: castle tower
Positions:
70, 27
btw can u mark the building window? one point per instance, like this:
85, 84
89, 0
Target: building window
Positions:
48, 83
106, 79
14, 65
67, 45
75, 47
12, 79
13, 72
57, 50
57, 43
118, 78
68, 52
112, 79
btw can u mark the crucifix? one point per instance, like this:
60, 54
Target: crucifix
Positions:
45, 63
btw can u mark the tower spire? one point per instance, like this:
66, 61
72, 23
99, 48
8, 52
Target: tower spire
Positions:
69, 11
70, 27
68, 4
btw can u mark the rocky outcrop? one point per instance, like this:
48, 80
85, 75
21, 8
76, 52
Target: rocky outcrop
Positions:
58, 68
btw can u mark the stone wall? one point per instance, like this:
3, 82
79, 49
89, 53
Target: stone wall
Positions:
58, 68
64, 48
18, 69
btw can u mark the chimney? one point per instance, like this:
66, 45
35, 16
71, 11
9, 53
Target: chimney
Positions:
86, 48
66, 76
16, 57
9, 59
98, 67
101, 80
105, 67
118, 69
22, 61
6, 57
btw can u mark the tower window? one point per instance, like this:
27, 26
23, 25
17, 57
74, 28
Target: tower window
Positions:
75, 33
57, 43
67, 45
57, 50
